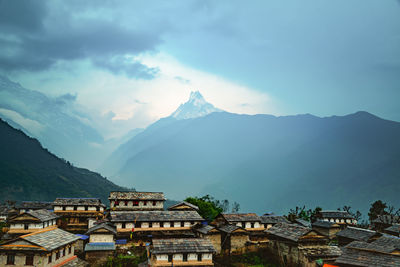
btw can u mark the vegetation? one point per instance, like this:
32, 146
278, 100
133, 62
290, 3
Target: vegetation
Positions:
262, 257
357, 215
136, 256
209, 207
303, 214
30, 172
379, 208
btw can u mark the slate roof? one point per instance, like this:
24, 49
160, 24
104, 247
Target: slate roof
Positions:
77, 202
99, 246
273, 219
35, 205
359, 253
136, 195
183, 203
102, 226
303, 223
387, 219
322, 251
182, 245
204, 229
3, 210
229, 228
388, 241
393, 229
336, 214
241, 217
155, 216
77, 262
325, 224
43, 215
47, 240
355, 233
291, 232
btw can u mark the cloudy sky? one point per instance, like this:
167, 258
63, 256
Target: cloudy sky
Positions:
136, 61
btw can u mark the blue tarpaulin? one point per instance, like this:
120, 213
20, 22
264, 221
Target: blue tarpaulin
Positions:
120, 241
83, 237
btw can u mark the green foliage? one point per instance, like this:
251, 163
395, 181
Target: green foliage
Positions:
378, 208
209, 207
304, 214
127, 260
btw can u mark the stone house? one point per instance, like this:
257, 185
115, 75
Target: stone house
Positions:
212, 234
325, 228
296, 245
141, 224
351, 234
136, 201
75, 213
101, 243
342, 218
32, 221
184, 206
50, 247
233, 238
181, 252
248, 221
270, 220
25, 206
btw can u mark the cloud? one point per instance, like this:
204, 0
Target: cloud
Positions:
36, 40
35, 127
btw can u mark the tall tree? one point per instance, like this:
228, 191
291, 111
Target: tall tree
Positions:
378, 208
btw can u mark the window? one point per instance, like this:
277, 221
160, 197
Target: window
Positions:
69, 250
144, 203
185, 257
50, 258
170, 258
63, 252
150, 224
10, 259
57, 255
161, 224
63, 208
135, 203
199, 258
26, 226
252, 225
29, 260
86, 208
123, 225
75, 207
182, 224
154, 203
126, 203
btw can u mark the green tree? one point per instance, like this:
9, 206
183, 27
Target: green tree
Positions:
209, 207
378, 208
304, 214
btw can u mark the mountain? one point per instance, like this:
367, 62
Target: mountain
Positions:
195, 107
268, 163
30, 172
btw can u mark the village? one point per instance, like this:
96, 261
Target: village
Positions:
138, 230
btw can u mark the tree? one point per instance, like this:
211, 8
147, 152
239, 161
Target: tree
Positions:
235, 207
356, 215
378, 208
304, 214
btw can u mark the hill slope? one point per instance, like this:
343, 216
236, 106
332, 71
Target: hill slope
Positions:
269, 163
29, 172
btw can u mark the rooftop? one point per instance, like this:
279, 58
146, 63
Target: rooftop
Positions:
241, 217
78, 202
393, 229
183, 203
205, 229
325, 224
181, 245
99, 246
155, 216
104, 226
43, 215
229, 228
387, 219
136, 195
272, 219
291, 232
35, 205
355, 233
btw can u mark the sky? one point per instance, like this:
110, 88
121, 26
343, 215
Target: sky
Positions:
135, 61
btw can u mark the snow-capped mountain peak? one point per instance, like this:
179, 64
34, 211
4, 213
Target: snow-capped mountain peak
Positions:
195, 107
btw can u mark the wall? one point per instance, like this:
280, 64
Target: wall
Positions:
101, 238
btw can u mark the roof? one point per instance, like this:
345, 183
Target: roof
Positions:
184, 203
105, 226
136, 195
355, 233
99, 246
388, 241
291, 232
155, 216
205, 229
303, 223
241, 217
272, 219
338, 214
76, 262
393, 229
78, 202
229, 228
43, 215
322, 251
181, 245
47, 240
387, 219
363, 254
325, 224
35, 205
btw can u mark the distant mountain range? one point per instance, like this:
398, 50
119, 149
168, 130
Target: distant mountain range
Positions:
265, 163
30, 172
